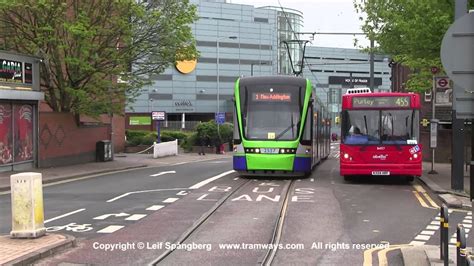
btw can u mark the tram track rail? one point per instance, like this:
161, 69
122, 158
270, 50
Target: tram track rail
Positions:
278, 229
276, 233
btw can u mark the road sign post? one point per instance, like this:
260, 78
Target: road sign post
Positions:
433, 143
456, 56
158, 116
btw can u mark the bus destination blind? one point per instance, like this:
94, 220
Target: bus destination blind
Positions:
382, 102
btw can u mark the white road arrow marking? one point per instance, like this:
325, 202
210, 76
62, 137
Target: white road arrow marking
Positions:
110, 229
182, 193
105, 216
164, 173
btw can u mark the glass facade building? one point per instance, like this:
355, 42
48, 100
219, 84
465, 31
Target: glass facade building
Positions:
237, 40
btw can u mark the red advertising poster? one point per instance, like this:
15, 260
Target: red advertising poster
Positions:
23, 119
6, 144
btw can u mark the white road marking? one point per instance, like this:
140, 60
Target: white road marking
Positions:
417, 243
182, 193
110, 229
422, 237
164, 173
143, 191
135, 217
64, 215
105, 216
180, 163
467, 225
209, 180
426, 232
433, 227
311, 180
170, 200
154, 207
236, 178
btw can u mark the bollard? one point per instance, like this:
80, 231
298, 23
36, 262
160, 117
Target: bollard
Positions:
444, 234
27, 205
461, 251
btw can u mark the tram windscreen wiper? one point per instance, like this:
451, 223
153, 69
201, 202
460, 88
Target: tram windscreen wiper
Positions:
288, 128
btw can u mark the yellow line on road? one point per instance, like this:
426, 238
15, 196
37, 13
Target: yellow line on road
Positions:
420, 199
430, 200
419, 188
368, 256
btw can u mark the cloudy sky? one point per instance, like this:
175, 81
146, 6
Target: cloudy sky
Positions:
322, 16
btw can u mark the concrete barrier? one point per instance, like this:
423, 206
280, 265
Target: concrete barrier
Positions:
165, 149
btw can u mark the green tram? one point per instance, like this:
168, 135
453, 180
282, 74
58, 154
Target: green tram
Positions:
281, 127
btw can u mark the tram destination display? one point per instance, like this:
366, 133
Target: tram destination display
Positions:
271, 97
381, 102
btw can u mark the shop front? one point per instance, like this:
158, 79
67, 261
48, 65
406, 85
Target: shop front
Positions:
19, 99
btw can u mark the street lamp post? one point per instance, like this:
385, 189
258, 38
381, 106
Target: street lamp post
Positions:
218, 82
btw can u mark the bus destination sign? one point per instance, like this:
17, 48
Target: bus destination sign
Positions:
271, 97
381, 102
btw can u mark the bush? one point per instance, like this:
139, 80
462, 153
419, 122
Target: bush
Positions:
207, 133
142, 137
189, 142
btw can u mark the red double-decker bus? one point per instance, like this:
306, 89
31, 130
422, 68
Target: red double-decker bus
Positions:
380, 135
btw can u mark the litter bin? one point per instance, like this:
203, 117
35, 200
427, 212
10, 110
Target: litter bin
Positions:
103, 151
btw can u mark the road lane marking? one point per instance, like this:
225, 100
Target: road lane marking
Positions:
311, 180
64, 215
143, 191
209, 180
164, 173
368, 256
433, 227
135, 217
382, 255
417, 243
170, 200
420, 199
154, 207
426, 232
110, 229
105, 216
236, 178
422, 237
182, 193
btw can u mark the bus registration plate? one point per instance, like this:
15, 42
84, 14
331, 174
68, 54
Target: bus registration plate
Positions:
269, 150
380, 173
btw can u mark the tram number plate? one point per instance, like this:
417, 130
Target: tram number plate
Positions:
380, 173
269, 150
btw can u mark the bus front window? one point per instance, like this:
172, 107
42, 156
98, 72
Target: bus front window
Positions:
360, 127
400, 127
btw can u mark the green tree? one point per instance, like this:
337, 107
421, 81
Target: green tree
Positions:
411, 31
86, 44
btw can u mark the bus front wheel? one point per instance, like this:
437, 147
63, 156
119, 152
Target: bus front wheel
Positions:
347, 178
410, 178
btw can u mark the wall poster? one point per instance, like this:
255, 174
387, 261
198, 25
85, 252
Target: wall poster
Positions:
23, 125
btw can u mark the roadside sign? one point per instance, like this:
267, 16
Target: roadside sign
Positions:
158, 115
442, 83
425, 122
434, 70
456, 56
220, 118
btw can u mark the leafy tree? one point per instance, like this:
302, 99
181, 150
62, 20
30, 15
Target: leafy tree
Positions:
411, 31
86, 44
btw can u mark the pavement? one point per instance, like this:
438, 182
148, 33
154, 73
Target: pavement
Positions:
27, 251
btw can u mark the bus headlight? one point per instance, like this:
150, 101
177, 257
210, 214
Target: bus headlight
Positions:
346, 156
415, 156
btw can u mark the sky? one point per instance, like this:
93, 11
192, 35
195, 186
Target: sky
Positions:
322, 16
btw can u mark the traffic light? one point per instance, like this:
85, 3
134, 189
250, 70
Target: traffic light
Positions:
337, 120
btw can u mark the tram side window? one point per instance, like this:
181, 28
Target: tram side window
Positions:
306, 140
237, 139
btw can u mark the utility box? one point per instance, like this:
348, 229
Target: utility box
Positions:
104, 151
27, 205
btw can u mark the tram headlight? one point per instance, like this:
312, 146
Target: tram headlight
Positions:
308, 151
257, 150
